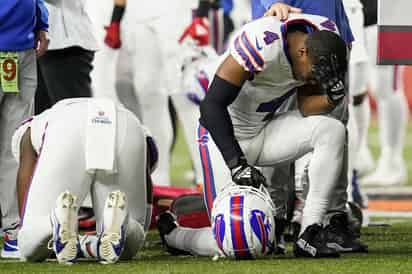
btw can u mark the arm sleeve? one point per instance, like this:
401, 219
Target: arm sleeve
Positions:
42, 16
215, 117
203, 8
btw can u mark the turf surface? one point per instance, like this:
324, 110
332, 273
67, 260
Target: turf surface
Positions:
390, 250
390, 247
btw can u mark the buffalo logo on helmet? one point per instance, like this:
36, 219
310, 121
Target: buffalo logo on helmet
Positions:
203, 139
262, 229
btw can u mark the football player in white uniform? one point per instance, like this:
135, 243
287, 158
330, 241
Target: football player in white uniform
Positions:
386, 86
145, 69
246, 116
62, 159
242, 226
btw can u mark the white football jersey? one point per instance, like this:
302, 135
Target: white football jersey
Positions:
260, 47
352, 4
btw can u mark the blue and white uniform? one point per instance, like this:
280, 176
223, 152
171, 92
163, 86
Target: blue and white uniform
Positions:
268, 128
68, 139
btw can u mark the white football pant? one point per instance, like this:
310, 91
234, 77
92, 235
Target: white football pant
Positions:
61, 167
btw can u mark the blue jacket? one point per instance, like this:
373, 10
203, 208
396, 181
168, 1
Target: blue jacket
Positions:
227, 6
333, 9
19, 20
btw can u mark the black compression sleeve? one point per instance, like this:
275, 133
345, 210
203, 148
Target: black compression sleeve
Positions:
215, 117
203, 8
117, 14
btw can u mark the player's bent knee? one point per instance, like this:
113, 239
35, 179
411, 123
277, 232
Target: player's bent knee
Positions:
135, 237
330, 131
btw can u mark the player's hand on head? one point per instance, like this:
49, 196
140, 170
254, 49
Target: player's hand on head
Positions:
281, 11
247, 175
331, 79
198, 30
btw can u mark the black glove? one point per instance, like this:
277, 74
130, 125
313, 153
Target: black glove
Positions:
330, 78
247, 175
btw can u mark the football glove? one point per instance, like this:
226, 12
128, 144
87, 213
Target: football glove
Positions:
330, 78
112, 38
247, 175
198, 30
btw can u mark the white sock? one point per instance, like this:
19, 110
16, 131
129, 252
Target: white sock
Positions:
135, 236
393, 114
197, 241
88, 246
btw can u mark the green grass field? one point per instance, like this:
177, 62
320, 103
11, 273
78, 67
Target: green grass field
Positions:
390, 248
390, 252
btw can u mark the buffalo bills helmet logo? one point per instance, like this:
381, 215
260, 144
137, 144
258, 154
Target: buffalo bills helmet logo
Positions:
262, 229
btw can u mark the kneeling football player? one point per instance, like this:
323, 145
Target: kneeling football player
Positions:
79, 146
247, 118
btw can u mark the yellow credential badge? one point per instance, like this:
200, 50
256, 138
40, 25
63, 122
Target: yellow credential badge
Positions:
9, 71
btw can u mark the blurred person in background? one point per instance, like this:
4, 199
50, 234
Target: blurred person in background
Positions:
23, 35
64, 70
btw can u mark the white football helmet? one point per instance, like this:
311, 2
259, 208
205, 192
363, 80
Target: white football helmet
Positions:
243, 222
198, 72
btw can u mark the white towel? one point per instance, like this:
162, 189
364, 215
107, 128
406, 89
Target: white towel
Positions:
101, 136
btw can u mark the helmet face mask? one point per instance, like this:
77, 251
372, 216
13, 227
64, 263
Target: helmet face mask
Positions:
243, 223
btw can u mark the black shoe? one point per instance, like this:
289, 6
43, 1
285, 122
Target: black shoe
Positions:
355, 218
312, 244
292, 232
280, 225
341, 237
166, 223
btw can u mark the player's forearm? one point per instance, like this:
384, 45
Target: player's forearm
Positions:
118, 10
216, 119
121, 3
28, 160
314, 104
205, 5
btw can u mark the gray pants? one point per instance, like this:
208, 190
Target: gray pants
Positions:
14, 108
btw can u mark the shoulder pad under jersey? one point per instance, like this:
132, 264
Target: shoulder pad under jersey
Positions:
261, 41
257, 43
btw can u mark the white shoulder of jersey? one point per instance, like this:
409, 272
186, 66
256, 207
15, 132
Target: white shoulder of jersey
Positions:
261, 41
257, 43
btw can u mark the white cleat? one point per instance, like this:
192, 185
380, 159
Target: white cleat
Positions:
10, 248
364, 163
65, 241
388, 173
113, 235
